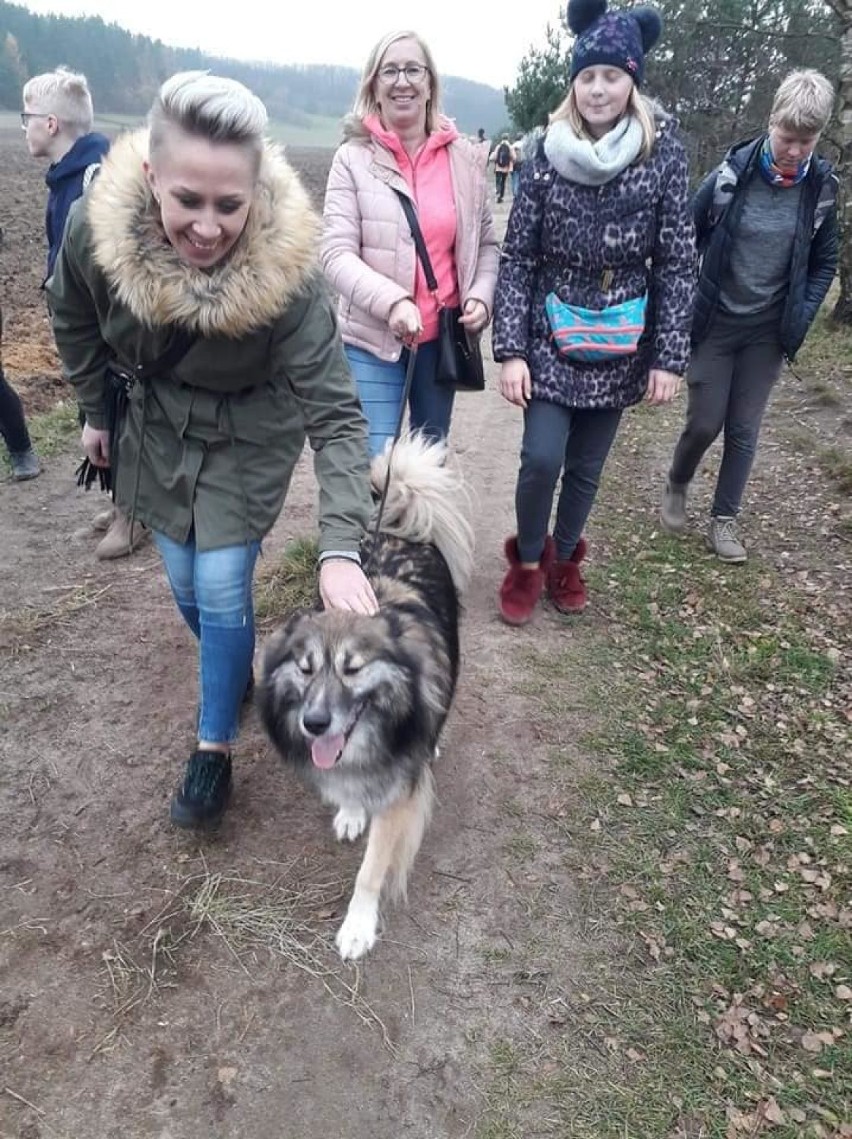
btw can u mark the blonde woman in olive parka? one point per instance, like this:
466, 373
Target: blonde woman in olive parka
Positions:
199, 232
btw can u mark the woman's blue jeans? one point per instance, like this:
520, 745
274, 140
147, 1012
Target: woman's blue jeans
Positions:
213, 591
380, 385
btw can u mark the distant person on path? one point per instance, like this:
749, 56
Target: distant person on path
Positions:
397, 141
766, 220
502, 159
483, 147
194, 258
13, 428
57, 122
601, 220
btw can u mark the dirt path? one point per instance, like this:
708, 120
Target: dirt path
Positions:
123, 1012
154, 985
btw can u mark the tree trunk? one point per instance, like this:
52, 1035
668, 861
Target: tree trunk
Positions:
843, 309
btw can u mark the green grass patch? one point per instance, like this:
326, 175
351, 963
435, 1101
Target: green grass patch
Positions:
52, 431
719, 820
287, 583
726, 829
838, 465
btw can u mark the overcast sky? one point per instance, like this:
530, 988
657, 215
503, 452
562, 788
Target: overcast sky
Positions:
474, 40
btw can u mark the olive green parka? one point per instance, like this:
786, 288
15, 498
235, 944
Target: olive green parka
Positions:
208, 448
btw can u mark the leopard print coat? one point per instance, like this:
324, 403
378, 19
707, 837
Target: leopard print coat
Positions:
596, 246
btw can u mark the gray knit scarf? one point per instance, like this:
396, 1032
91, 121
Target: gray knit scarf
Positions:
593, 163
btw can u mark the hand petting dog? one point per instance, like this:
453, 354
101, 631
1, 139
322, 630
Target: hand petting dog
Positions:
342, 585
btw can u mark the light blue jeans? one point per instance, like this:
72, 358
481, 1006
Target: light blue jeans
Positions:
380, 385
213, 593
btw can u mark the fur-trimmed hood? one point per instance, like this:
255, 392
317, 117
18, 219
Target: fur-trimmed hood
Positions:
252, 286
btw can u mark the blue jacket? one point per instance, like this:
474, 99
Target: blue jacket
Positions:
66, 180
717, 207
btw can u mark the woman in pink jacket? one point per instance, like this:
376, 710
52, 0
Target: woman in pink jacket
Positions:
397, 140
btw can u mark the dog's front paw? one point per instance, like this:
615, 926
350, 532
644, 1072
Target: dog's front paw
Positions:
357, 935
349, 824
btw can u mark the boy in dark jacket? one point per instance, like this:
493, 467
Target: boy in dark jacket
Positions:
57, 121
766, 225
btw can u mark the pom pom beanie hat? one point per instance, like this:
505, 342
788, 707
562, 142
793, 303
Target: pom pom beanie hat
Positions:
612, 38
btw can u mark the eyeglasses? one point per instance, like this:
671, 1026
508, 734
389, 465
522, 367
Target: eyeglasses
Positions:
27, 115
413, 72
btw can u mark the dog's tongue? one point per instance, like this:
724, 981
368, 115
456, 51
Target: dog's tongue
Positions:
326, 749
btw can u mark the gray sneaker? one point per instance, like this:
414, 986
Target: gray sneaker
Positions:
25, 465
723, 541
673, 507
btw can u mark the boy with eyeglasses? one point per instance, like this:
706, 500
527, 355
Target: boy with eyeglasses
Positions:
57, 122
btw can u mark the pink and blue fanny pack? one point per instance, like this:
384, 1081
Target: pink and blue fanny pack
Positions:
589, 335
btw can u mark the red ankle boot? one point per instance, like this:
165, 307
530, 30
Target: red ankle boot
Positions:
522, 588
565, 582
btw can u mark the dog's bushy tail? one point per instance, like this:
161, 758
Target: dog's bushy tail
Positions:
427, 501
411, 835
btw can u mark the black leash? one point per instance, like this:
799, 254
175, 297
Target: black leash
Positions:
406, 390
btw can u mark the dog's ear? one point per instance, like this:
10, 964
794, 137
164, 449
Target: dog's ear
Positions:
280, 644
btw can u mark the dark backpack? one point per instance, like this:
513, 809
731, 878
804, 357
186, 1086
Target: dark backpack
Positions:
504, 154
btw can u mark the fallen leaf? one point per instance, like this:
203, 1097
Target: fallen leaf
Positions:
823, 969
772, 1112
815, 1041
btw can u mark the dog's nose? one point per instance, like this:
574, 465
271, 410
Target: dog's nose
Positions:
316, 721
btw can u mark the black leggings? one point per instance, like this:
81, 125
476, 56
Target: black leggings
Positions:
570, 441
13, 426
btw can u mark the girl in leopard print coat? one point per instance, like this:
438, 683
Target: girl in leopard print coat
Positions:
602, 216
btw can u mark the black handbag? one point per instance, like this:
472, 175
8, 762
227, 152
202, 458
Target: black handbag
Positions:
120, 382
460, 365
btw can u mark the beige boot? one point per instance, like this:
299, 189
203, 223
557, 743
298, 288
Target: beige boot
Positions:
103, 520
118, 541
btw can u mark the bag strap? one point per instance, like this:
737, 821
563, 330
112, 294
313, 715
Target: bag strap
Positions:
179, 345
419, 244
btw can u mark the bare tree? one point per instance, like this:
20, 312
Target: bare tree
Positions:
843, 10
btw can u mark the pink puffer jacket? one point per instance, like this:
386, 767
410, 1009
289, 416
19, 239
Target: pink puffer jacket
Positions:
368, 253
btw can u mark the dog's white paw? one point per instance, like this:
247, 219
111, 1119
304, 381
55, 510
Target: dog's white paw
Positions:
349, 824
357, 935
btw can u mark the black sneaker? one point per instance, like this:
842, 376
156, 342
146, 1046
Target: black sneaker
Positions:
203, 795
